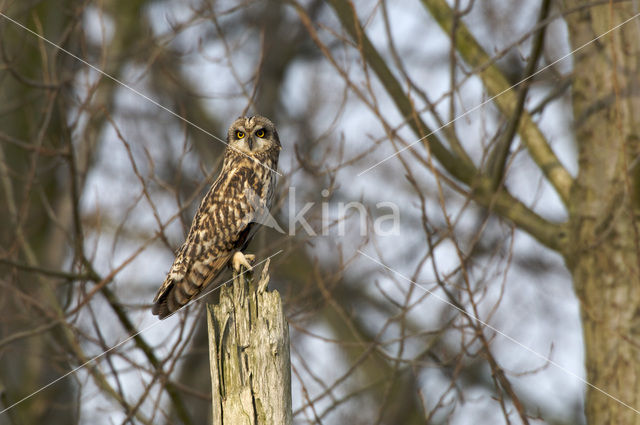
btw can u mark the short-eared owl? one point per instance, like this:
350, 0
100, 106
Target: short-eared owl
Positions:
226, 219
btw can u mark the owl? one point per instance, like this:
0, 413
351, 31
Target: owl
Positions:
228, 215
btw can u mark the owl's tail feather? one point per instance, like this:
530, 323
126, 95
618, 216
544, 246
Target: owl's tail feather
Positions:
174, 297
178, 294
161, 309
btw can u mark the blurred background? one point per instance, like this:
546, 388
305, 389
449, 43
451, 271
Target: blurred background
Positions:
413, 211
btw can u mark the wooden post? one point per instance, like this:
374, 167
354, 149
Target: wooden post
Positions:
249, 354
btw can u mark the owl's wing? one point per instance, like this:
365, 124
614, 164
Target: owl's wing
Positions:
186, 279
221, 227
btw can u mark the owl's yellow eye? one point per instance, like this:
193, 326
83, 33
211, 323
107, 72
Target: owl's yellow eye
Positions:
240, 134
260, 133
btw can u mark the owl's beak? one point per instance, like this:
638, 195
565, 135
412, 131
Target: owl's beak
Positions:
250, 143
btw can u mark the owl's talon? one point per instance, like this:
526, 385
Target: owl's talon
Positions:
242, 260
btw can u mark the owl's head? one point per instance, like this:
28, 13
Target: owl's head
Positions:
253, 135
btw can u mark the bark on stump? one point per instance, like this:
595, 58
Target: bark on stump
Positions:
249, 354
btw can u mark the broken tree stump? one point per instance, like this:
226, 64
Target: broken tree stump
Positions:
249, 354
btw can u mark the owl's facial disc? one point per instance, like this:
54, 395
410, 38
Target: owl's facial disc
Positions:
253, 135
249, 142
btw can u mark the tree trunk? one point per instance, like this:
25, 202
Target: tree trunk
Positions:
35, 94
603, 258
249, 355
